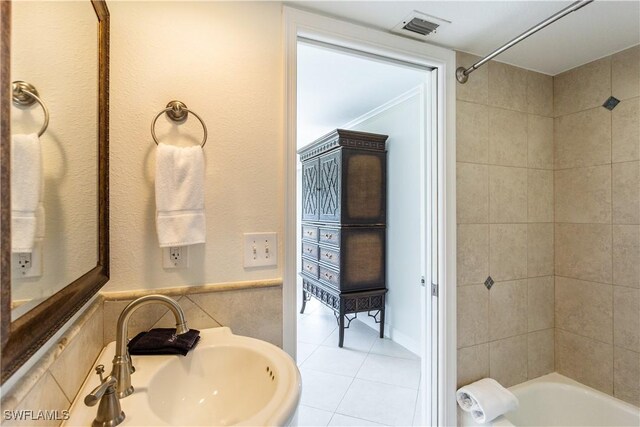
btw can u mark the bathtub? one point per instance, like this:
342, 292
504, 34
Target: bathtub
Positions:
555, 400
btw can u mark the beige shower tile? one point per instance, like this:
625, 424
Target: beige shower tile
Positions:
473, 364
472, 132
473, 253
508, 251
540, 347
540, 303
195, 316
626, 193
76, 361
625, 73
255, 313
540, 249
626, 375
584, 308
539, 94
540, 142
141, 320
585, 360
507, 137
508, 360
626, 255
583, 139
581, 88
583, 251
507, 86
45, 395
540, 196
507, 309
472, 193
583, 195
507, 194
626, 318
476, 89
625, 131
473, 315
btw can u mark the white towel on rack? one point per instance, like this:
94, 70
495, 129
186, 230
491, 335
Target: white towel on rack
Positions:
27, 189
180, 218
486, 400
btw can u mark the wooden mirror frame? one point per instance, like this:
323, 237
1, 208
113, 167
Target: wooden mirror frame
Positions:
22, 338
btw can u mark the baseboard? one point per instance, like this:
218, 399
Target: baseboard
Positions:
393, 334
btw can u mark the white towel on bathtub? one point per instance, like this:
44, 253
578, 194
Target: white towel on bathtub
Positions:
486, 400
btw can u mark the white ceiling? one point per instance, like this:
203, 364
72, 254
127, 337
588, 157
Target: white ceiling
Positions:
336, 87
596, 30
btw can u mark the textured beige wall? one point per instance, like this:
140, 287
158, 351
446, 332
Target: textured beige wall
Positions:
505, 224
597, 217
224, 60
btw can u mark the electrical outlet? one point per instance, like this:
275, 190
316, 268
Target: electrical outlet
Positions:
28, 264
260, 249
175, 257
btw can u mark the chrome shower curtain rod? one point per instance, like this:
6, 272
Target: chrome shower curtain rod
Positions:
462, 74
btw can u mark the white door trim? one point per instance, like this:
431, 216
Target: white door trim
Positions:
298, 23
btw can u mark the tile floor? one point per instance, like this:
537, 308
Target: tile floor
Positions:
368, 382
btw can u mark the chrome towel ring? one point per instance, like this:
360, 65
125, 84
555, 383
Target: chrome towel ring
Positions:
178, 112
25, 94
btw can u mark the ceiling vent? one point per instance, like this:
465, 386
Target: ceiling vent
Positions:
419, 25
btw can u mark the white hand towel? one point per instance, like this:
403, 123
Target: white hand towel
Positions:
486, 400
27, 188
180, 219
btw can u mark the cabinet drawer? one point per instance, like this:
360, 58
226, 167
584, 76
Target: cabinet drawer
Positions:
330, 236
330, 256
310, 233
330, 276
310, 250
310, 268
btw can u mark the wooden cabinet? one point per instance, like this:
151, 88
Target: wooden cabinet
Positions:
344, 223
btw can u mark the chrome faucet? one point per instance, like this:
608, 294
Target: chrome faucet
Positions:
122, 366
109, 412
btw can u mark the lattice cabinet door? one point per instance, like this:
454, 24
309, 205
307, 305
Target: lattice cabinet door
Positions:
330, 186
310, 188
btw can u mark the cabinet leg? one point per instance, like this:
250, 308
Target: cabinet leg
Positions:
382, 323
304, 301
341, 329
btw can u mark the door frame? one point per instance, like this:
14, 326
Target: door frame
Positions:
299, 23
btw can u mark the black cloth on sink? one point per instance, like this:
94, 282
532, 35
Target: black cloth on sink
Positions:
163, 341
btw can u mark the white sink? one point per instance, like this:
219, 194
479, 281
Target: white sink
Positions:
226, 380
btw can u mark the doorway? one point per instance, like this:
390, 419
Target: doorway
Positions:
370, 379
436, 199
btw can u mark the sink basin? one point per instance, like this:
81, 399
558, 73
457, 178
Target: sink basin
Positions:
226, 380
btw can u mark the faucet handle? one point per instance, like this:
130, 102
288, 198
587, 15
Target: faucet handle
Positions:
107, 386
100, 371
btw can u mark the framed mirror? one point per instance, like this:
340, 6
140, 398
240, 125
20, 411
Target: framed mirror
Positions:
54, 107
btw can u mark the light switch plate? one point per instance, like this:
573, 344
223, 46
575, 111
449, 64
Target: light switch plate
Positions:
260, 249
